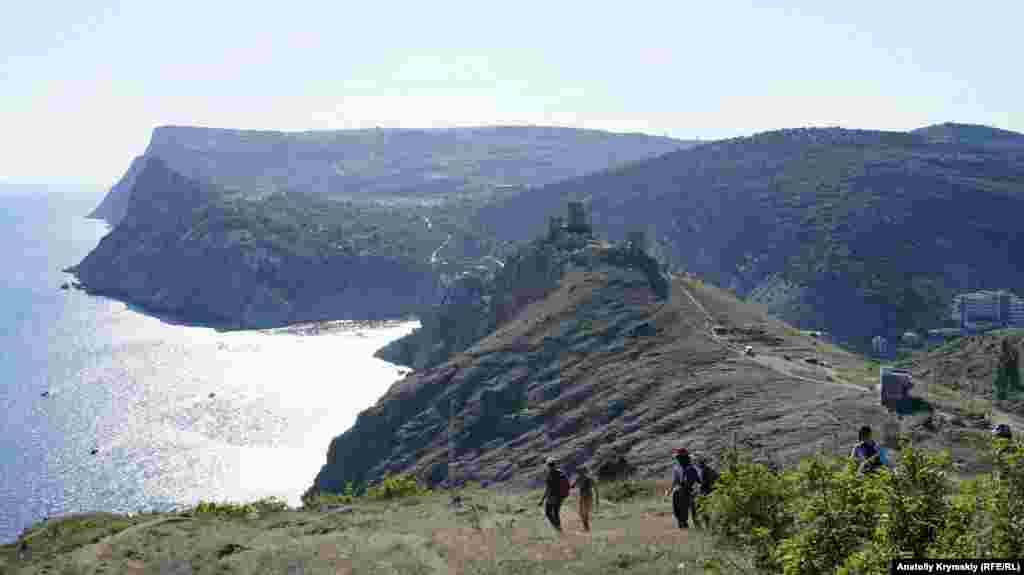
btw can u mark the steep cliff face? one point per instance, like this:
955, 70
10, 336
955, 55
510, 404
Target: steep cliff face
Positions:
181, 250
606, 364
114, 204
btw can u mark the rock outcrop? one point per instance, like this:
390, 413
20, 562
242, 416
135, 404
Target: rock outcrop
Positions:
475, 304
601, 366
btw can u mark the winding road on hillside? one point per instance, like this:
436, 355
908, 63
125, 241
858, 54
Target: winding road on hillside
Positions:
783, 366
777, 364
433, 256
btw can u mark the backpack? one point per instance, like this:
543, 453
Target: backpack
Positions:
707, 480
563, 484
870, 450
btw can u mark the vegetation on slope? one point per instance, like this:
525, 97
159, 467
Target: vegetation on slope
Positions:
816, 517
200, 252
410, 166
855, 232
969, 367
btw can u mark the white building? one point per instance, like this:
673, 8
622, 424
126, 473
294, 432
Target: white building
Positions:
984, 309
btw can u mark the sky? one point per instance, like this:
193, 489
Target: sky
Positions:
83, 83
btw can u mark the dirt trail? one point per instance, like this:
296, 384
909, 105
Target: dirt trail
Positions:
775, 363
789, 369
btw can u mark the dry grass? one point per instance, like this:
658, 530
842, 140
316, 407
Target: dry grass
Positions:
495, 532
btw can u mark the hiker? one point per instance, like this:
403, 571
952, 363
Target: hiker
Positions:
589, 496
867, 451
684, 478
708, 477
555, 491
999, 432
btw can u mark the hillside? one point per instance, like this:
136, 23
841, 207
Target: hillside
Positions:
191, 250
359, 164
601, 366
855, 232
492, 533
972, 135
966, 367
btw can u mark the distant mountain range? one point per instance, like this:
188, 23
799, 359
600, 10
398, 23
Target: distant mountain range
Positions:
363, 164
247, 229
852, 231
855, 232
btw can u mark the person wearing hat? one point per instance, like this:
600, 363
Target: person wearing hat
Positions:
553, 494
684, 478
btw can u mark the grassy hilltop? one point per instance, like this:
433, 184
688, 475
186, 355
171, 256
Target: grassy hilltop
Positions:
804, 520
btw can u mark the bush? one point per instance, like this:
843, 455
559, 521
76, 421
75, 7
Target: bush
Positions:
266, 505
395, 487
750, 507
620, 491
826, 516
914, 503
836, 510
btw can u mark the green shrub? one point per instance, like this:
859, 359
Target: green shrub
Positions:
620, 491
827, 517
914, 504
1004, 503
396, 486
266, 505
836, 513
750, 507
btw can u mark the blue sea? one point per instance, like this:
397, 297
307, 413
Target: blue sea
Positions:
138, 389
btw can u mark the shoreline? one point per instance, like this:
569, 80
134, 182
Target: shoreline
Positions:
331, 326
174, 317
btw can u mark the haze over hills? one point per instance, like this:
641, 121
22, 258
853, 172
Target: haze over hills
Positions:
856, 232
356, 224
853, 231
359, 164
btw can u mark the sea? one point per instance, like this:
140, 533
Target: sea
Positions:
106, 408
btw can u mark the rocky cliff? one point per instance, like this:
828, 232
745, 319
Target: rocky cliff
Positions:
115, 203
606, 364
192, 250
476, 303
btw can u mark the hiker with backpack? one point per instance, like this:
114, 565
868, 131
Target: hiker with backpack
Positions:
588, 496
708, 477
867, 452
684, 478
556, 489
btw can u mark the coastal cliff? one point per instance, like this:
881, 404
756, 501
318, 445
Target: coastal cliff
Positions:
196, 252
251, 229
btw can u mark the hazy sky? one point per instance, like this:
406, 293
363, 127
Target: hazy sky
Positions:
83, 83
